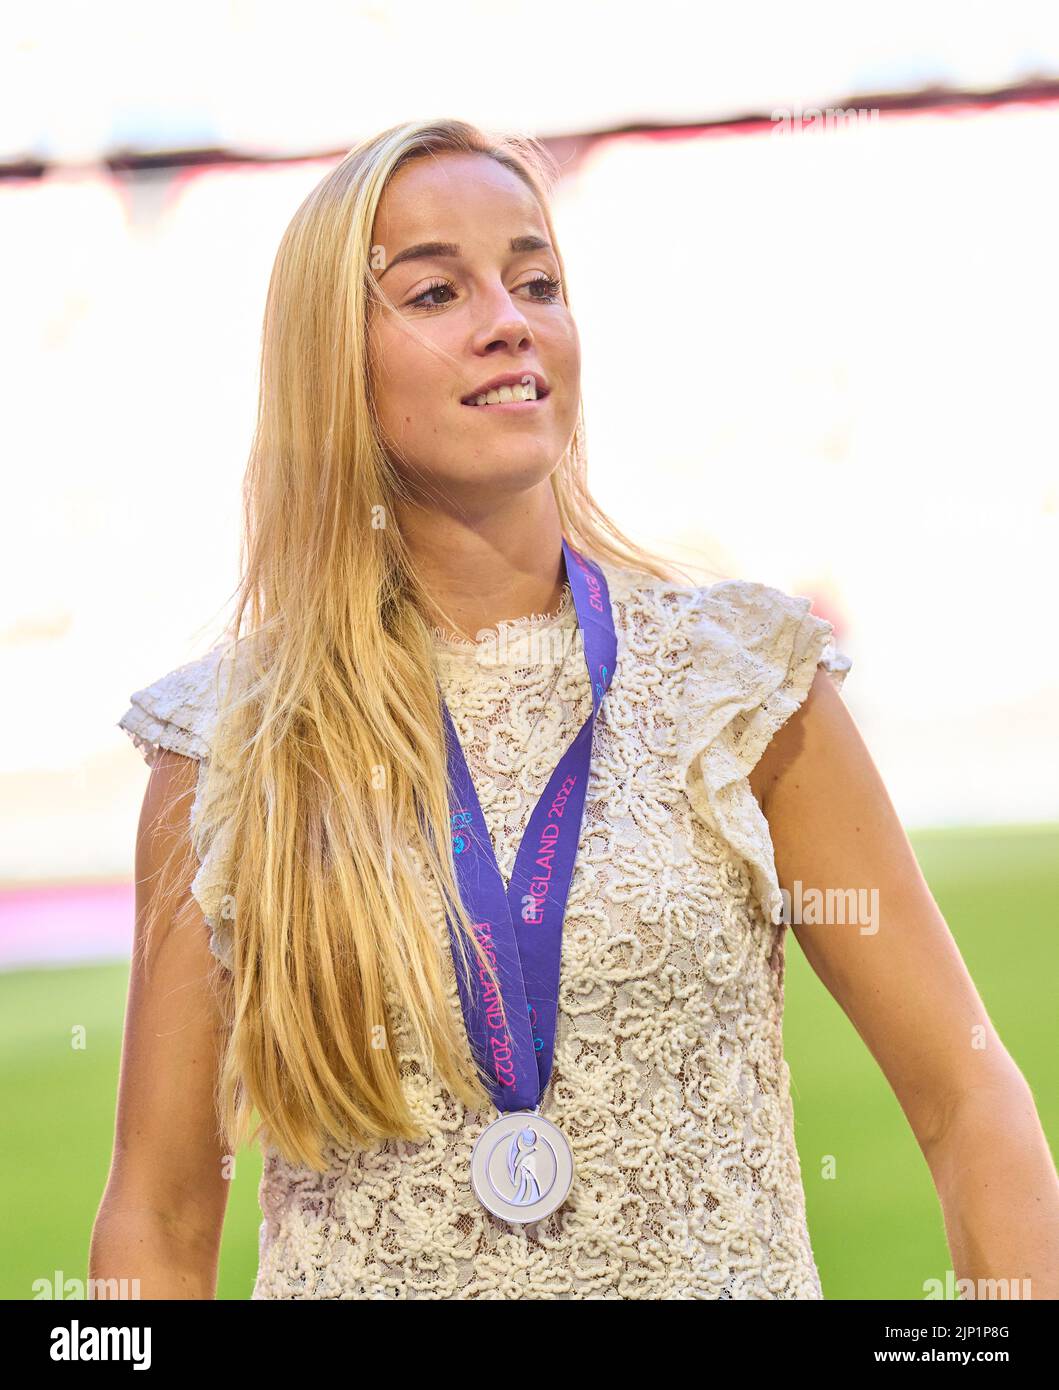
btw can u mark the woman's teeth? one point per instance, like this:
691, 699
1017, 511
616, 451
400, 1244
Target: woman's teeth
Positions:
505, 394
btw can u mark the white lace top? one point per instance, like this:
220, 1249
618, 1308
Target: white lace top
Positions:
669, 1077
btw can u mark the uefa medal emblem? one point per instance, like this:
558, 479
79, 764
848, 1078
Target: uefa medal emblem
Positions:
522, 1167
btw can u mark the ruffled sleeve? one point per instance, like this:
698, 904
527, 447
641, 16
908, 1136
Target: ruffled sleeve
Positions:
178, 712
754, 653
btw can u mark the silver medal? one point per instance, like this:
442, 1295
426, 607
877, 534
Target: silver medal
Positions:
522, 1167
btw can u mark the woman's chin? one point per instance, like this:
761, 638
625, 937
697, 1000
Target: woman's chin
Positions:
504, 470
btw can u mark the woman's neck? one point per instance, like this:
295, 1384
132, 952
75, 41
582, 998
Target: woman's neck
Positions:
504, 564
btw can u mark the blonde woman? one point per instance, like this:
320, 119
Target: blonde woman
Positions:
459, 864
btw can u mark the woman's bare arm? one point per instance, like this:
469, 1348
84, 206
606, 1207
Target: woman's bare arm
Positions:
904, 986
162, 1212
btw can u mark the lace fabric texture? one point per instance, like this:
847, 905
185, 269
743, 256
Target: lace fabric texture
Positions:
669, 1077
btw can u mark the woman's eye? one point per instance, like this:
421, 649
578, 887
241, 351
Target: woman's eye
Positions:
437, 288
551, 285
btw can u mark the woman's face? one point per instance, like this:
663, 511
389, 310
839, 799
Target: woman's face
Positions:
488, 299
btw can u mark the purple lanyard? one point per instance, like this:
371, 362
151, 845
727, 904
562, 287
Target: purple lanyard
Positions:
522, 929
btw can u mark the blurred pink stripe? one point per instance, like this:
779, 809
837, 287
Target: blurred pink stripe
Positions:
72, 922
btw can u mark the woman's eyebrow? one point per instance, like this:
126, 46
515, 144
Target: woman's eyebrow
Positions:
432, 250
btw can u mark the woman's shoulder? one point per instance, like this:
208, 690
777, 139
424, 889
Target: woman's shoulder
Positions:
729, 663
731, 660
739, 621
177, 710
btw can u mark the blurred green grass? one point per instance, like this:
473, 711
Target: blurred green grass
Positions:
876, 1228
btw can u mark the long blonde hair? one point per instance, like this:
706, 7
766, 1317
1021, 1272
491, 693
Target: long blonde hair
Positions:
327, 761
